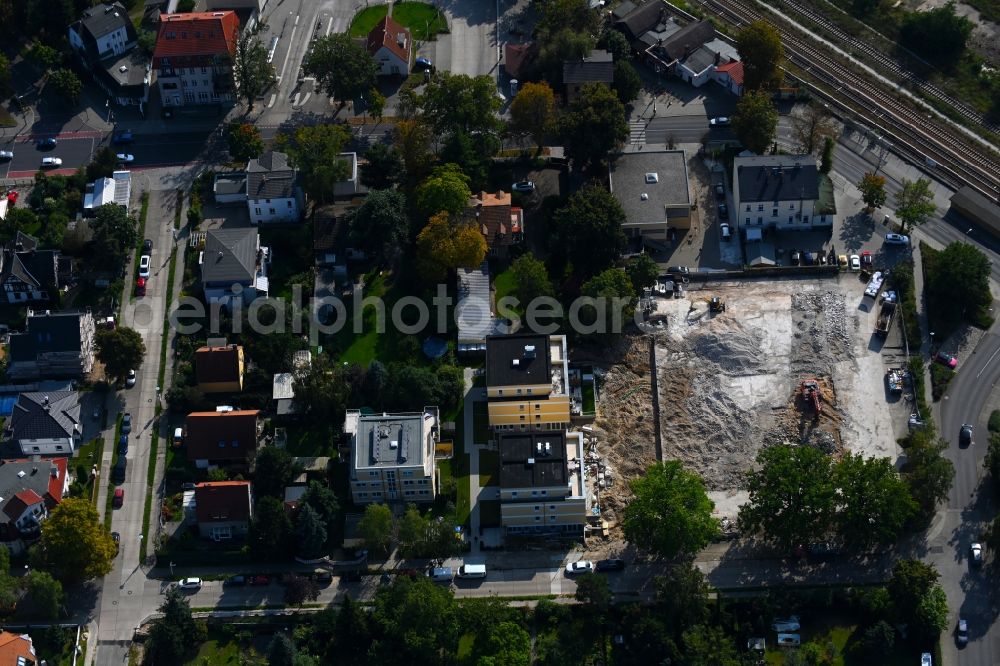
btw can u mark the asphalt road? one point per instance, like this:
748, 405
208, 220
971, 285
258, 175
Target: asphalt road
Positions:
971, 592
74, 152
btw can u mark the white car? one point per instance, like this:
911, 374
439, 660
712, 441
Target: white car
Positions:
130, 380
926, 659
976, 553
6, 155
581, 567
189, 583
144, 266
897, 239
125, 158
855, 262
786, 624
721, 121
51, 161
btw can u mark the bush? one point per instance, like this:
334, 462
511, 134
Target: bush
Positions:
902, 276
940, 378
994, 424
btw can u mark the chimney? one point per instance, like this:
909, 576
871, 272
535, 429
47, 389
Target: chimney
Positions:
54, 471
45, 400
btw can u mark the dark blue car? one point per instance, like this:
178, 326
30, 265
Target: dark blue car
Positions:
49, 142
122, 137
123, 445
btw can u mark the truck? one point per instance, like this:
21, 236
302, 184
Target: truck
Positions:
874, 285
885, 316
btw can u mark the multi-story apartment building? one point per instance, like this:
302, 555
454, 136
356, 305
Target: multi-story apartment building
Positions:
392, 456
542, 483
784, 192
53, 345
527, 382
194, 56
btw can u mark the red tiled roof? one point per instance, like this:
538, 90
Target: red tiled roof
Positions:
235, 431
14, 646
196, 38
495, 218
222, 501
516, 56
217, 364
734, 69
386, 34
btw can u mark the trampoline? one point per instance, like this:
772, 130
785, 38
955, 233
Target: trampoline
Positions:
435, 347
7, 404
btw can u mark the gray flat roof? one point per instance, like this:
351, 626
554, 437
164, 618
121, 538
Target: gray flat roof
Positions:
390, 440
629, 182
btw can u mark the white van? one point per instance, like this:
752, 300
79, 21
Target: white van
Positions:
441, 574
472, 571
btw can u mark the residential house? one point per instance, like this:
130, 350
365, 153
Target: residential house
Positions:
785, 192
390, 45
542, 483
194, 57
351, 185
29, 274
234, 265
392, 456
518, 58
640, 20
117, 189
500, 223
701, 65
53, 345
105, 40
230, 187
29, 489
17, 650
46, 424
222, 438
223, 509
474, 312
273, 194
219, 369
668, 54
730, 76
598, 67
527, 382
652, 187
283, 384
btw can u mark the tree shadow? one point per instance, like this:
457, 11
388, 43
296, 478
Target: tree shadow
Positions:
855, 231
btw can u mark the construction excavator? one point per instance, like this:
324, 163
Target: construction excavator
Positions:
810, 393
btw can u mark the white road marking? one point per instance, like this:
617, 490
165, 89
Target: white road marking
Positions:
329, 27
305, 99
271, 101
985, 365
295, 100
288, 53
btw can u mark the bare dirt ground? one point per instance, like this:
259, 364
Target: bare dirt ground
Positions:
730, 383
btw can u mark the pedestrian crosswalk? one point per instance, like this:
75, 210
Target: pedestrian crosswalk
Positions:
637, 131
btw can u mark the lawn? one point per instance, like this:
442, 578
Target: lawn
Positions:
480, 422
309, 442
87, 455
589, 405
217, 652
366, 19
838, 630
505, 285
489, 468
423, 20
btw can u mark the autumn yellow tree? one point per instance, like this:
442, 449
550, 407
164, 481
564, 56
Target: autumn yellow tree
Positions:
413, 141
75, 546
447, 243
533, 112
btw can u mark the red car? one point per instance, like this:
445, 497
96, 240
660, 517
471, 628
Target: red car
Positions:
140, 287
946, 359
119, 497
866, 260
259, 580
12, 197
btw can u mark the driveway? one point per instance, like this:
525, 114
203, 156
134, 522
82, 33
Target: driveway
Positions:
471, 47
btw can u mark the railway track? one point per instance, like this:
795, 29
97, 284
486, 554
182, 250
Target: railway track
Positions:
911, 132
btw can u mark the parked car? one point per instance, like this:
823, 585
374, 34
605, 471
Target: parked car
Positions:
188, 486
123, 445
855, 262
866, 260
897, 239
6, 155
962, 633
50, 162
678, 270
117, 538
790, 623
824, 549
260, 580
580, 567
926, 659
322, 576
140, 287
12, 197
808, 259
965, 435
719, 121
235, 581
130, 380
720, 190
147, 246
422, 63
726, 231
523, 186
119, 498
610, 565
44, 144
723, 211
144, 261
976, 554
189, 583
946, 360
122, 137
125, 158
127, 423
842, 261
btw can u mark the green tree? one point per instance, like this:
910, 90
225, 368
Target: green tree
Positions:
273, 469
411, 529
320, 391
472, 154
880, 639
323, 501
967, 263
613, 303
9, 592
252, 73
102, 164
682, 596
146, 41
376, 103
710, 646
74, 546
447, 189
444, 245
120, 349
932, 613
642, 271
174, 636
383, 167
343, 69
115, 233
670, 513
615, 43
66, 84
589, 226
627, 82
792, 495
379, 225
914, 202
875, 503
872, 188
417, 620
937, 34
593, 590
506, 644
927, 473
299, 590
566, 45
5, 76
992, 460
413, 139
376, 527
310, 533
594, 125
43, 598
533, 112
457, 102
316, 151
755, 121
761, 52
244, 141
557, 15
911, 581
531, 280
43, 55
270, 531
281, 651
991, 536
826, 161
